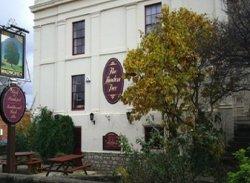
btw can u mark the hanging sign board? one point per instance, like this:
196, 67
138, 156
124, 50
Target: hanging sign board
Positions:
111, 142
12, 104
12, 50
112, 81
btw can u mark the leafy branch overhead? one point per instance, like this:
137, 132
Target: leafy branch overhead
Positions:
187, 64
165, 68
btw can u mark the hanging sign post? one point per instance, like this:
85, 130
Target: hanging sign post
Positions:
12, 100
12, 109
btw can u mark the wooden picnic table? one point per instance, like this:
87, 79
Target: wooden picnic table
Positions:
67, 164
29, 159
28, 155
24, 158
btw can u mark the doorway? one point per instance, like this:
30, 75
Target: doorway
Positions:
78, 140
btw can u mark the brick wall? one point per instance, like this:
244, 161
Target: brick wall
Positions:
104, 162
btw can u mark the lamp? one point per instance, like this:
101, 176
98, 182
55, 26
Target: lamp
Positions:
92, 116
108, 117
128, 114
87, 80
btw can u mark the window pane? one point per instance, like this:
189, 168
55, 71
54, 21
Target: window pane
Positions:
149, 28
79, 33
79, 88
148, 20
79, 42
80, 97
148, 10
153, 9
79, 25
75, 52
154, 20
79, 49
74, 88
158, 10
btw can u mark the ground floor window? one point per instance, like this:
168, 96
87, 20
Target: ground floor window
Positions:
78, 92
149, 132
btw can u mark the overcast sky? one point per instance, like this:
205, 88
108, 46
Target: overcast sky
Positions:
19, 10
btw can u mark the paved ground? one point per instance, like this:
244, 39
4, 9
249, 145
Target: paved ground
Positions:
77, 175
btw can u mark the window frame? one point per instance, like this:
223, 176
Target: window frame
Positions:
145, 15
72, 93
83, 37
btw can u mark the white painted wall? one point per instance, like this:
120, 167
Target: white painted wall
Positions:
112, 28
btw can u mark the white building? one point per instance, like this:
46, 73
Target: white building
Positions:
103, 29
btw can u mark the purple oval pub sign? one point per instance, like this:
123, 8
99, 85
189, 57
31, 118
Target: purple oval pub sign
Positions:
112, 80
13, 104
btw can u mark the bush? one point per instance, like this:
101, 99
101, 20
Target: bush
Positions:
48, 134
207, 147
242, 175
151, 165
22, 139
53, 134
21, 142
183, 159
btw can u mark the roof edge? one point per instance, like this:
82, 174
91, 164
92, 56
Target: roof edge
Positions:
49, 4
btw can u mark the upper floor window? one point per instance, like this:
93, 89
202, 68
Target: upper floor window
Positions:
152, 13
78, 92
79, 37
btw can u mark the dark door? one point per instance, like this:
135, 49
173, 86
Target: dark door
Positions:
78, 140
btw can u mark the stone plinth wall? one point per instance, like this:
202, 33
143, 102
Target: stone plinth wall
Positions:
104, 162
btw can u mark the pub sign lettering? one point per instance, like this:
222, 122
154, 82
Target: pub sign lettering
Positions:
111, 142
13, 104
113, 81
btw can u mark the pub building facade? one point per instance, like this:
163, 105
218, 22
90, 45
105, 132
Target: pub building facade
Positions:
80, 46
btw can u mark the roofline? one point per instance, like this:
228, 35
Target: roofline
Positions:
50, 4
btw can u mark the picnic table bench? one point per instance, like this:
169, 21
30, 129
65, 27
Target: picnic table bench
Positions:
67, 164
32, 162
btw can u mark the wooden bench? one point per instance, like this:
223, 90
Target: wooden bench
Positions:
33, 166
82, 167
4, 167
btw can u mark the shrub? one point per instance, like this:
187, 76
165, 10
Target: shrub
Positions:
181, 159
22, 133
242, 175
207, 147
53, 134
48, 134
151, 165
22, 142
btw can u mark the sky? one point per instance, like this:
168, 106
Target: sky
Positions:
20, 12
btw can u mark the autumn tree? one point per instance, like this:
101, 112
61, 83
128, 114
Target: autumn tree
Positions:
167, 69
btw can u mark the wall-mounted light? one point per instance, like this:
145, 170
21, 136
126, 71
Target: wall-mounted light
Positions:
108, 117
87, 80
128, 114
92, 118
